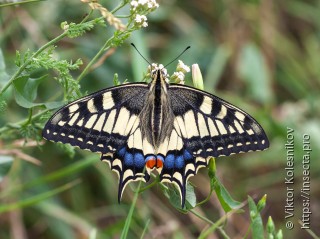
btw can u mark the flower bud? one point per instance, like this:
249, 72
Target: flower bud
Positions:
197, 77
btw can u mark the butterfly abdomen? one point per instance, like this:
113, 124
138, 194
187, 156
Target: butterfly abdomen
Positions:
157, 111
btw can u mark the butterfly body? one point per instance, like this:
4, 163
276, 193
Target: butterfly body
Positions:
140, 127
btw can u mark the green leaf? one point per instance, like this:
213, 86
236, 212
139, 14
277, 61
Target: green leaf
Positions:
225, 199
25, 92
256, 220
191, 199
173, 195
5, 165
212, 169
253, 69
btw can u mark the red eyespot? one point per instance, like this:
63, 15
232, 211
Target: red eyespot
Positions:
159, 163
151, 163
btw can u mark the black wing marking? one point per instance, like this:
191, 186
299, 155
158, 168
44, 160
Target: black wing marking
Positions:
206, 126
106, 122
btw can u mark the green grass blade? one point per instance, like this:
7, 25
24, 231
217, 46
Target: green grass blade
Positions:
73, 168
35, 199
127, 224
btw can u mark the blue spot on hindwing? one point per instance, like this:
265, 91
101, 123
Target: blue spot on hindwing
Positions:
176, 160
186, 155
169, 161
128, 159
179, 161
121, 152
138, 160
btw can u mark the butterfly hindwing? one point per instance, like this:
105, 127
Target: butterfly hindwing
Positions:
106, 122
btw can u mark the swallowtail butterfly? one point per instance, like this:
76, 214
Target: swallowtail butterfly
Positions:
140, 127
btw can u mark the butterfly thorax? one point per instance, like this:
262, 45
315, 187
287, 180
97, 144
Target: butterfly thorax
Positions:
157, 114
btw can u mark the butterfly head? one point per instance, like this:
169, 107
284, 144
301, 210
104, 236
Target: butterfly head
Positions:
158, 72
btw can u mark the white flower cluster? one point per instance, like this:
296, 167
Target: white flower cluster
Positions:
144, 7
150, 4
178, 76
141, 20
182, 67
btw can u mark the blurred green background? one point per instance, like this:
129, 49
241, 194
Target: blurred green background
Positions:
261, 55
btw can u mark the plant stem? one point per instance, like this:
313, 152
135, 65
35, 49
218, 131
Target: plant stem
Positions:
201, 217
100, 52
126, 227
149, 186
214, 226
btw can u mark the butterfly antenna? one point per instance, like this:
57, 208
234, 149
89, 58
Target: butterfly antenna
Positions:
140, 53
188, 47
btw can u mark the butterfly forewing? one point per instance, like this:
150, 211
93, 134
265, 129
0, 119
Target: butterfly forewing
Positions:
214, 126
99, 122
